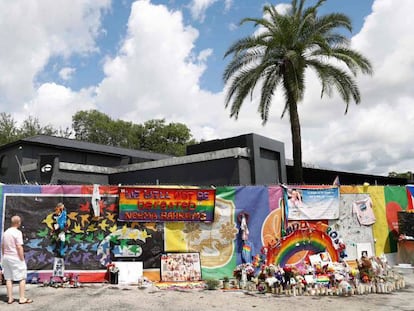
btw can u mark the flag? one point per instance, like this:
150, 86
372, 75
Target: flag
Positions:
246, 254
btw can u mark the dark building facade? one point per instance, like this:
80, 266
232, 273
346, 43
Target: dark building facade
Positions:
314, 176
243, 160
54, 160
248, 159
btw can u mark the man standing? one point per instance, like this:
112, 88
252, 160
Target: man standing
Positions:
14, 265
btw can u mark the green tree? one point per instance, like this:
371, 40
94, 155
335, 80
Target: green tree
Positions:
31, 127
278, 56
10, 132
153, 135
408, 175
93, 126
8, 128
169, 138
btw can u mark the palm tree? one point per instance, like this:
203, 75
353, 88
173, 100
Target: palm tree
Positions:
278, 55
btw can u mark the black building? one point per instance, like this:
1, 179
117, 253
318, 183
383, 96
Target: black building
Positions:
54, 160
248, 159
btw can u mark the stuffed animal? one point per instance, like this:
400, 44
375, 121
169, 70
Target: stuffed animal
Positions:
365, 269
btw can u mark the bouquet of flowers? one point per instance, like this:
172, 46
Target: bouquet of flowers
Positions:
270, 270
247, 267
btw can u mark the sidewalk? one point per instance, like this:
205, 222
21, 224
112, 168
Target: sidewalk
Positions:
120, 297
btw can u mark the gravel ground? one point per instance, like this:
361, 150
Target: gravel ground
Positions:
119, 297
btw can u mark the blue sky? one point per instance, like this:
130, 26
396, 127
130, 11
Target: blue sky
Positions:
215, 31
149, 59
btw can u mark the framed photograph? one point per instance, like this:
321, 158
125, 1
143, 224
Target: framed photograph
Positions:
322, 258
59, 267
364, 249
180, 267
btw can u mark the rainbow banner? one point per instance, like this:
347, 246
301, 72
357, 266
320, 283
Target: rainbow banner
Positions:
156, 204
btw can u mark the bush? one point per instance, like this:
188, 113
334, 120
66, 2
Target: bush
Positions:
212, 284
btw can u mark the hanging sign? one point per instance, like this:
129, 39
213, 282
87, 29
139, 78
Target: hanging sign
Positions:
312, 203
154, 204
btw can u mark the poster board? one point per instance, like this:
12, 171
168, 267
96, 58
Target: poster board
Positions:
180, 267
129, 271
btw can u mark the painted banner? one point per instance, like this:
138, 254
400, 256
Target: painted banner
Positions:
312, 203
146, 204
90, 242
307, 238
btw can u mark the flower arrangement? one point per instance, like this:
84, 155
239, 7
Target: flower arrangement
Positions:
270, 270
247, 267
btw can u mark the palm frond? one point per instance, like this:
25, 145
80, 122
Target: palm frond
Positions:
271, 81
242, 61
334, 77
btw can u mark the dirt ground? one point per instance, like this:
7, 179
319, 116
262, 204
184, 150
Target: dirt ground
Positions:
121, 297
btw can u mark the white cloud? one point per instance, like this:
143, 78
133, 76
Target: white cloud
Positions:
156, 74
36, 30
55, 105
374, 137
228, 4
204, 54
283, 8
66, 73
232, 26
198, 8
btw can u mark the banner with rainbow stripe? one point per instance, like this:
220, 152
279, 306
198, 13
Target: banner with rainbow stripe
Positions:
162, 204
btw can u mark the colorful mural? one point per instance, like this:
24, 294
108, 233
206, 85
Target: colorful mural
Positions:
93, 240
90, 242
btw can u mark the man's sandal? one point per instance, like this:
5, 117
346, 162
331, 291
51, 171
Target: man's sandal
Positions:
27, 300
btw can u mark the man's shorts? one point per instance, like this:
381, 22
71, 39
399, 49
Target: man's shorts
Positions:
14, 269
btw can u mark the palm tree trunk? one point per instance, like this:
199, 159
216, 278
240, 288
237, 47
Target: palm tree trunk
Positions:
296, 141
